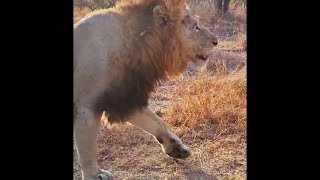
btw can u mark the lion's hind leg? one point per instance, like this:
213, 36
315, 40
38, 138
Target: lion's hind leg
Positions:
154, 125
86, 127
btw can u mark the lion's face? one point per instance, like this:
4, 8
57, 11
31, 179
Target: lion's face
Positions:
164, 35
202, 40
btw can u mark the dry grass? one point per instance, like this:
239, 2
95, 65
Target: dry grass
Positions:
79, 13
206, 109
209, 99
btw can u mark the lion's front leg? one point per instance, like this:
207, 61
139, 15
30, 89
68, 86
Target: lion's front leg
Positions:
86, 127
154, 125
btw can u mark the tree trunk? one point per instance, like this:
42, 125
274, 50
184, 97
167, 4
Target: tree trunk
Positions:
218, 4
226, 6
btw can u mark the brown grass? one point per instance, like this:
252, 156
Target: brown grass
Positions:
206, 109
79, 13
209, 99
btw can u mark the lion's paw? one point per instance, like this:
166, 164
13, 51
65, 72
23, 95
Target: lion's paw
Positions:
104, 175
179, 151
174, 147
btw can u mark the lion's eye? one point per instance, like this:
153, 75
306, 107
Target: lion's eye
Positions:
196, 28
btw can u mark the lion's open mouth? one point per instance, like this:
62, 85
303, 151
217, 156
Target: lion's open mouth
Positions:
202, 57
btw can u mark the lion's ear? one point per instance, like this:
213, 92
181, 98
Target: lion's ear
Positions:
171, 10
159, 15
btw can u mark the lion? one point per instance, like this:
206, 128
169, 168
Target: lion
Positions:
120, 55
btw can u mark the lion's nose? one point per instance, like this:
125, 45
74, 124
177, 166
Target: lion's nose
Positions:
215, 42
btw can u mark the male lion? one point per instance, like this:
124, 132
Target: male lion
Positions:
120, 55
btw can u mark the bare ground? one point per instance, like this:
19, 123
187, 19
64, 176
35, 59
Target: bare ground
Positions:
206, 109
